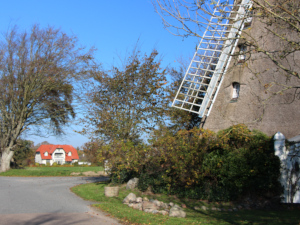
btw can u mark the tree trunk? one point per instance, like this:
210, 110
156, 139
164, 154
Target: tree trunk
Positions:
7, 155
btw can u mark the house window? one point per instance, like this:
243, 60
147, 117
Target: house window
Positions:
242, 53
58, 154
46, 154
235, 91
70, 153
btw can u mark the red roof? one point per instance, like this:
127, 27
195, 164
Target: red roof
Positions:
51, 148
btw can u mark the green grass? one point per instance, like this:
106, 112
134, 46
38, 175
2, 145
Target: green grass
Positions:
49, 171
114, 206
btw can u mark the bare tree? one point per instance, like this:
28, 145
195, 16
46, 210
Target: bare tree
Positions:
277, 39
36, 73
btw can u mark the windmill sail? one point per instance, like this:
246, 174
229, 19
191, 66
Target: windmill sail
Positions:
203, 78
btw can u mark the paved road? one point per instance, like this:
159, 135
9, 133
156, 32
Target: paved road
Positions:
46, 200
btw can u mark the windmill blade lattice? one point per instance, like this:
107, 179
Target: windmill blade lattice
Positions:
203, 78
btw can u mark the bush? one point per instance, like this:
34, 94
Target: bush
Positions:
125, 159
199, 163
225, 166
54, 164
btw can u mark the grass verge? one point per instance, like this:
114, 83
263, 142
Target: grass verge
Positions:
49, 171
114, 206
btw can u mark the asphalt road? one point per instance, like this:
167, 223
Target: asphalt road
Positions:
46, 200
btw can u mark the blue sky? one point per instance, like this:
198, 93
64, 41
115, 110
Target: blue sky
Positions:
113, 27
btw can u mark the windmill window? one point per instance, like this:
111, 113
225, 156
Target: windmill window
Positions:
242, 53
235, 91
248, 20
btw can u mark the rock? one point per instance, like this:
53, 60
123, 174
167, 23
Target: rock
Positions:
139, 200
197, 208
157, 203
177, 212
130, 198
183, 206
149, 206
204, 208
111, 191
171, 204
132, 183
148, 210
213, 208
154, 211
137, 206
177, 206
145, 199
163, 212
164, 205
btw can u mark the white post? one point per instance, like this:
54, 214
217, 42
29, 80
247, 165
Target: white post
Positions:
281, 152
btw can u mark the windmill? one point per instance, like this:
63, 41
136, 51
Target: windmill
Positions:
205, 73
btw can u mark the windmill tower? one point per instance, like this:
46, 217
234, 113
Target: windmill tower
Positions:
221, 84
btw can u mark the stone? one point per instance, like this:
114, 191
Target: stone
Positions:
149, 206
177, 206
177, 212
111, 191
164, 205
132, 183
130, 198
183, 206
137, 206
197, 208
163, 212
157, 203
154, 211
145, 199
139, 200
204, 208
171, 204
148, 210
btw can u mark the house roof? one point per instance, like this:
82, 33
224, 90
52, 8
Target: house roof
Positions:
51, 148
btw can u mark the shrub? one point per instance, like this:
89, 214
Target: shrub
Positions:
54, 164
125, 159
224, 166
199, 163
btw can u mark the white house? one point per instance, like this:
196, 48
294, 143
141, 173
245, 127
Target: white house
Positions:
60, 154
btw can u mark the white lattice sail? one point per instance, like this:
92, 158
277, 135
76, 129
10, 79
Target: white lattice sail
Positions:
204, 75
